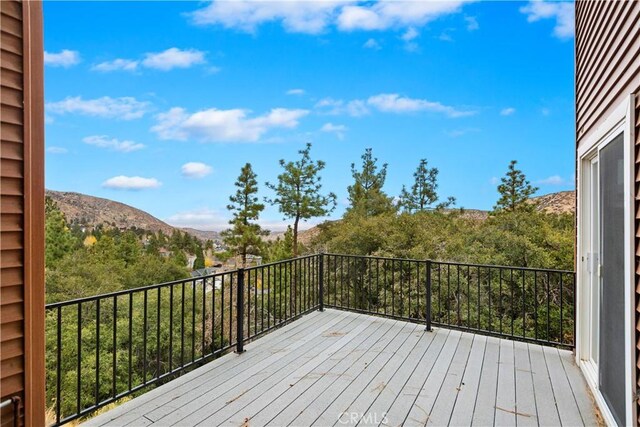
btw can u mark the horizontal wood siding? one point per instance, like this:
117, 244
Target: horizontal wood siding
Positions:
607, 72
12, 342
21, 211
607, 59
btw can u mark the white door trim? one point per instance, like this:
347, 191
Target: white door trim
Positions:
620, 120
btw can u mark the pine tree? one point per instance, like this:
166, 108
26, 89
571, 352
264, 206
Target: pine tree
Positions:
423, 194
244, 235
58, 238
515, 191
298, 192
366, 195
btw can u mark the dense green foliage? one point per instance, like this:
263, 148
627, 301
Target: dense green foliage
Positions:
83, 263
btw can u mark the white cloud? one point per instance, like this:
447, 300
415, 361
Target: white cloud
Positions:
196, 170
372, 44
456, 133
339, 130
117, 65
215, 125
202, 219
507, 111
394, 103
173, 58
310, 17
295, 92
114, 144
122, 182
355, 108
383, 15
215, 220
472, 23
65, 58
313, 17
410, 34
387, 103
57, 150
125, 108
554, 180
494, 180
561, 12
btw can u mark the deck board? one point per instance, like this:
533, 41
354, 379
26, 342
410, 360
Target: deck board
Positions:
326, 366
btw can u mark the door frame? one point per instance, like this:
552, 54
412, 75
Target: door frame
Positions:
620, 120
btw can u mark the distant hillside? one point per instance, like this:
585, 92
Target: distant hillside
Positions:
561, 202
91, 211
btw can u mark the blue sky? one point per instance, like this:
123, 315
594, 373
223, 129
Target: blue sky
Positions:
159, 104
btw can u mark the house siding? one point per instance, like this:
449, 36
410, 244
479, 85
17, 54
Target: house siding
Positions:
21, 185
607, 49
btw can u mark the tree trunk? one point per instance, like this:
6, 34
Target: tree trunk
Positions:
295, 237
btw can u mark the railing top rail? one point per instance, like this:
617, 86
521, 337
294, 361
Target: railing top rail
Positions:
54, 305
550, 270
544, 270
284, 261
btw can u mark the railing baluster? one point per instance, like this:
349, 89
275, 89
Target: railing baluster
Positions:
58, 364
144, 340
97, 351
159, 296
204, 313
130, 338
79, 361
114, 389
193, 321
170, 328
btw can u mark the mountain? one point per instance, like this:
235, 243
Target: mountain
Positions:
561, 202
91, 211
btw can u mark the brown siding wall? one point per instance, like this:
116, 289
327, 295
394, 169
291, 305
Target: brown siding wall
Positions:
607, 58
21, 175
607, 72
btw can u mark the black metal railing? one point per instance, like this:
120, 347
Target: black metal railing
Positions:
534, 305
106, 347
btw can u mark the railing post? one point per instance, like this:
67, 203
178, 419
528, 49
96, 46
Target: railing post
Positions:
240, 312
428, 297
321, 282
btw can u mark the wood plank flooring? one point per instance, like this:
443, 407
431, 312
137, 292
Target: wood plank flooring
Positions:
339, 368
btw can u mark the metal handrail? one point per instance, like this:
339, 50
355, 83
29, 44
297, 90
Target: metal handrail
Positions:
15, 401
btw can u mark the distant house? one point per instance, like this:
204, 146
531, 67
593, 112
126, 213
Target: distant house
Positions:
608, 204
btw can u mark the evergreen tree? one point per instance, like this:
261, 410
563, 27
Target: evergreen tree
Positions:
515, 191
58, 238
244, 236
199, 262
366, 195
298, 193
423, 192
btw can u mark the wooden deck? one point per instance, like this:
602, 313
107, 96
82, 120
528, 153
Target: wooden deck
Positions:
340, 368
